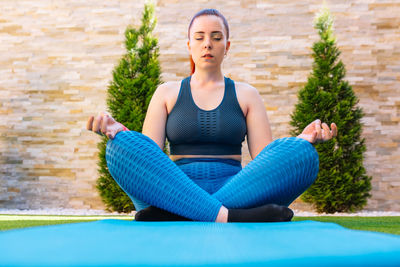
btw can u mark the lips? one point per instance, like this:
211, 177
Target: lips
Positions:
208, 56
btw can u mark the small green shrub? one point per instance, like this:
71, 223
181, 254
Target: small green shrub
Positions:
134, 81
342, 183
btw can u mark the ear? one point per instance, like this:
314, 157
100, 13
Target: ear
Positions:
188, 46
228, 45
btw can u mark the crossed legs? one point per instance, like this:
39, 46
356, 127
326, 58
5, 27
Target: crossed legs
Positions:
281, 172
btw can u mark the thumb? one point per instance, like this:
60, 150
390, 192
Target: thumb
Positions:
111, 135
313, 137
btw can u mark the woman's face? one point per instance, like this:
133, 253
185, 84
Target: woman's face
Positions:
207, 44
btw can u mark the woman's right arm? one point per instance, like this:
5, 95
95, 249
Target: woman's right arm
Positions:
156, 116
153, 126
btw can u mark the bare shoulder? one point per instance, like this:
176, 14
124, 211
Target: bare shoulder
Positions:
169, 92
246, 93
166, 91
168, 87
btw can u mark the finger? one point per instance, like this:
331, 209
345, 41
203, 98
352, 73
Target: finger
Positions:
97, 124
105, 113
314, 137
318, 129
104, 124
111, 135
334, 129
327, 132
89, 123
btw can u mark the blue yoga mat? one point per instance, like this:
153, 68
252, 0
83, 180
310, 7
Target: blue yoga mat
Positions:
131, 243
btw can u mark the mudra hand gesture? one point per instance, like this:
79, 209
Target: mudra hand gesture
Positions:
104, 124
313, 133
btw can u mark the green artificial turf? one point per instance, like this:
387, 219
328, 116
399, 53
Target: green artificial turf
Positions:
390, 224
8, 222
8, 225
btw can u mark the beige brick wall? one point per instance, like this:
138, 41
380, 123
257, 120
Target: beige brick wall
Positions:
56, 59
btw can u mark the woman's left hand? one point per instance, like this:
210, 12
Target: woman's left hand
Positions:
313, 133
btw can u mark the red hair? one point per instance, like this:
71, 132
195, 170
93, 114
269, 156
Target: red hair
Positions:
206, 12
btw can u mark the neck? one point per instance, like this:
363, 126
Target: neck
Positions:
204, 77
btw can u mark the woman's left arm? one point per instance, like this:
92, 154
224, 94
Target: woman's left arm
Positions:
259, 133
258, 128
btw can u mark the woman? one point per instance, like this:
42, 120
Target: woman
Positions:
205, 118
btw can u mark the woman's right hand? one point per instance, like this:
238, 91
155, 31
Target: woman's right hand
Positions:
104, 124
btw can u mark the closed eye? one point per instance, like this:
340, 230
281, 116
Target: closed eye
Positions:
215, 38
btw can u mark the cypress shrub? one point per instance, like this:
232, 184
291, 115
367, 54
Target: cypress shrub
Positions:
342, 184
135, 79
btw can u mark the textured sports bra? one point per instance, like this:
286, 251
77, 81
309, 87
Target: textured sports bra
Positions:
191, 130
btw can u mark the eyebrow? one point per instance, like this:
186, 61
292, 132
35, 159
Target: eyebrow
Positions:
211, 32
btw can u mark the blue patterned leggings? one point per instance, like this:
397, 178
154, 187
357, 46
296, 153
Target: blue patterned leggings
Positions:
197, 188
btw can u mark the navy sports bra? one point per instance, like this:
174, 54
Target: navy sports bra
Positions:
194, 131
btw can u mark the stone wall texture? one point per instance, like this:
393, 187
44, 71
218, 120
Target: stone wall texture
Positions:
57, 57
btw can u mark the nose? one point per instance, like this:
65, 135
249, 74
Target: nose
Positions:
207, 43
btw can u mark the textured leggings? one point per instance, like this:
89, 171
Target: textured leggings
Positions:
279, 174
